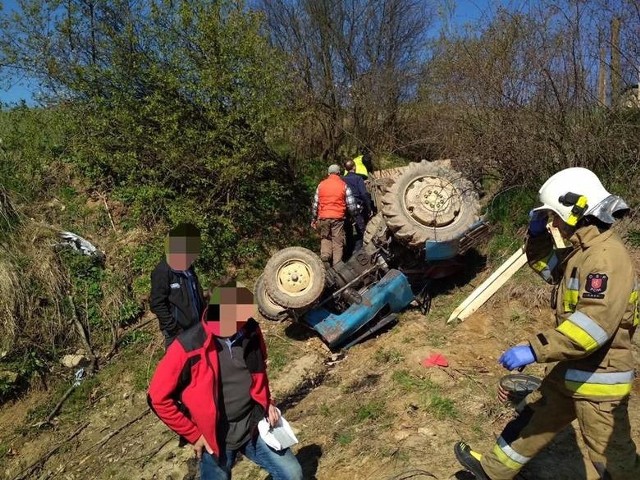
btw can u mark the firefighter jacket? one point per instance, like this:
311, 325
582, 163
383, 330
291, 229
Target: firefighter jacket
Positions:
184, 389
596, 305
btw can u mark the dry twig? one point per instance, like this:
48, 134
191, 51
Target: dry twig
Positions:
108, 437
106, 207
83, 335
27, 472
56, 409
147, 457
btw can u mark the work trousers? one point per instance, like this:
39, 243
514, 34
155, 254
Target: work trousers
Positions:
604, 425
331, 239
354, 238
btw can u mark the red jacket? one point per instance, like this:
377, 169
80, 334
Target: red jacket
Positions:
332, 198
184, 389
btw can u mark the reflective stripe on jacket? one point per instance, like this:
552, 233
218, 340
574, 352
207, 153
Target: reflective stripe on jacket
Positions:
596, 307
332, 201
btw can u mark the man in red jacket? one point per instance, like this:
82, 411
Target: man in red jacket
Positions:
211, 388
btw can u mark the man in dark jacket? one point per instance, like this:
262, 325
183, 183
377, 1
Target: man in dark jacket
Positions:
211, 387
363, 204
176, 295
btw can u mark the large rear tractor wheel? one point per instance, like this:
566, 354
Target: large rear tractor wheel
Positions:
376, 230
294, 277
266, 306
430, 201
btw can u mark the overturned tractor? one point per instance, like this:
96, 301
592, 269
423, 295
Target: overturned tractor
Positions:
428, 217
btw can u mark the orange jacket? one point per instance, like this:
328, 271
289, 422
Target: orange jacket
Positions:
332, 198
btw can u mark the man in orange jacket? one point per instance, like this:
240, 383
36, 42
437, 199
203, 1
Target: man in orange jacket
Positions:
330, 204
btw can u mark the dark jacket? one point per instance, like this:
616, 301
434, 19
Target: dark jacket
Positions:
184, 389
172, 302
359, 190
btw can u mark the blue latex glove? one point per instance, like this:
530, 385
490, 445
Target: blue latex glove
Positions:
538, 220
517, 357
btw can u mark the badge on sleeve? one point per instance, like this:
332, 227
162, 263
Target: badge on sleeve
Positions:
596, 285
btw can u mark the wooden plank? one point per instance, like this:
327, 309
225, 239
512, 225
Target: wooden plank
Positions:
490, 286
505, 265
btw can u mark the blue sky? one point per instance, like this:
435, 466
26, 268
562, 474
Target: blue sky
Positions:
466, 11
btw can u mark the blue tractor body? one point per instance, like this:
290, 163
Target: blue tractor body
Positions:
390, 295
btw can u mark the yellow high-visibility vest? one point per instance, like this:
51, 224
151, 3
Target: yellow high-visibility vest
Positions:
360, 168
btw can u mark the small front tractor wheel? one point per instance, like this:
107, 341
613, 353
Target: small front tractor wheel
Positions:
294, 277
266, 306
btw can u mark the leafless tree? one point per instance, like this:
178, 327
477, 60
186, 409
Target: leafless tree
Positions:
356, 61
518, 96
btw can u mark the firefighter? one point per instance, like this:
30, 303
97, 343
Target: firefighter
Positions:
571, 245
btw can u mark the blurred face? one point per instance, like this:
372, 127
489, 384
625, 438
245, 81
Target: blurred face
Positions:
231, 307
182, 251
565, 230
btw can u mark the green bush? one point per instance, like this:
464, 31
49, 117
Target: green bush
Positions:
30, 139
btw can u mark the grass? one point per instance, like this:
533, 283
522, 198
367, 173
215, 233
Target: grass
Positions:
435, 339
344, 438
429, 394
442, 304
442, 408
501, 246
139, 366
279, 354
325, 410
135, 337
382, 356
143, 368
519, 318
633, 236
364, 383
399, 455
370, 411
409, 382
77, 402
477, 430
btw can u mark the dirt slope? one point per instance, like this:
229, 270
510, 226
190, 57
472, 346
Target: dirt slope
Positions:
375, 413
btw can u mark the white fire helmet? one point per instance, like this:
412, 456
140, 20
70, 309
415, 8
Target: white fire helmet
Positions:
589, 197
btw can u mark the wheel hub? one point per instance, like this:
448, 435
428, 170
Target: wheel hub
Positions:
294, 277
432, 201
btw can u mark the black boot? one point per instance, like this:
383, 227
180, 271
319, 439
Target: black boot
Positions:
470, 460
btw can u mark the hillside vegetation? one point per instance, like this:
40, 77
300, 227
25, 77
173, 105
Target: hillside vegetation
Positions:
226, 114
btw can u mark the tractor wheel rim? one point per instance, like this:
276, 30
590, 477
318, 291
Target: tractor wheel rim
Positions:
432, 201
294, 277
266, 299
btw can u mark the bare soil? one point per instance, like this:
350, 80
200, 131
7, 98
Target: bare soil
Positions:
374, 413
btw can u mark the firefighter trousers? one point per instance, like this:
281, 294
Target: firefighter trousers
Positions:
604, 426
